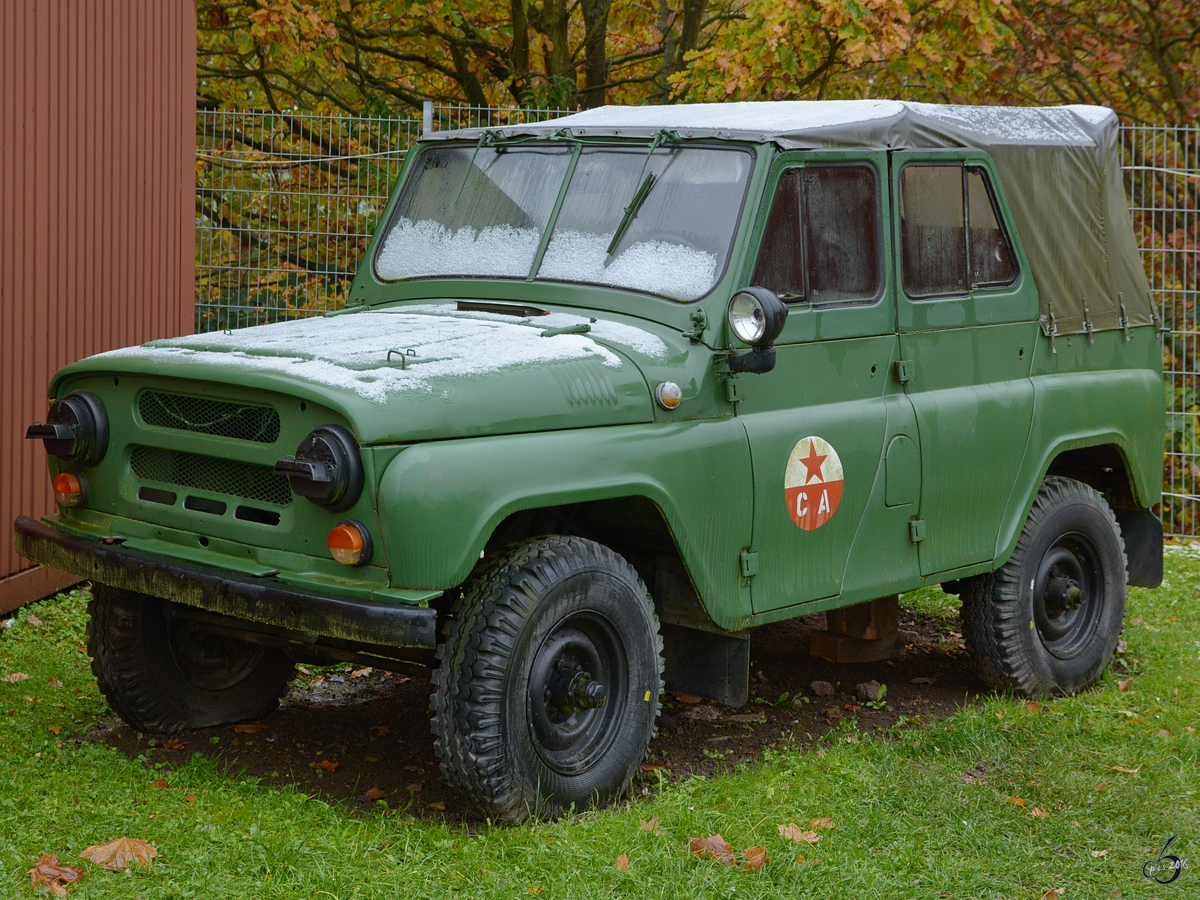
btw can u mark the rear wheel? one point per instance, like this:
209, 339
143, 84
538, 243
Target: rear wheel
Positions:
549, 681
163, 675
1048, 620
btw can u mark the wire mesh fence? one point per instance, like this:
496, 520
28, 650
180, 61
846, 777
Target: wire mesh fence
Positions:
286, 203
1162, 176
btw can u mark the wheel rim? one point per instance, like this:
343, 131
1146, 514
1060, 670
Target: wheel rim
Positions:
209, 661
576, 692
1068, 595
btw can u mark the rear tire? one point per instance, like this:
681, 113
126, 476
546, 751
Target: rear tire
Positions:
1047, 621
162, 676
549, 681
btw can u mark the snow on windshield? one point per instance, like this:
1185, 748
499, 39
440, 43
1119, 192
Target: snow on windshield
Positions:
658, 267
416, 249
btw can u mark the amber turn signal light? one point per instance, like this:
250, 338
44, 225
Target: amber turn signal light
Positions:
70, 489
350, 543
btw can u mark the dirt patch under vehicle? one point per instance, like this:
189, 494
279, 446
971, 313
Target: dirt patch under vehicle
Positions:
374, 725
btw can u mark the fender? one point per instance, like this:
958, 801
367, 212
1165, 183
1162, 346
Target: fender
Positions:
1064, 404
440, 501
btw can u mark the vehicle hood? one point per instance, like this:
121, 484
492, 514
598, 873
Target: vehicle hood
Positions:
421, 372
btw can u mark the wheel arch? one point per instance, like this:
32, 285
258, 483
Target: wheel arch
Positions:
1105, 463
443, 505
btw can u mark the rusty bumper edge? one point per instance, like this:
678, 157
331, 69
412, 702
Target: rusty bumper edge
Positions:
256, 600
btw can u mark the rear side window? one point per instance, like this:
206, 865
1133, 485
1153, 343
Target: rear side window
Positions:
822, 238
950, 232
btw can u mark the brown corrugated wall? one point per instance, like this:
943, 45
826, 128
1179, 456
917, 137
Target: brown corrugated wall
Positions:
97, 212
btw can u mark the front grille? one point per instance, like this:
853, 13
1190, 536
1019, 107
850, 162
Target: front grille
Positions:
207, 473
219, 417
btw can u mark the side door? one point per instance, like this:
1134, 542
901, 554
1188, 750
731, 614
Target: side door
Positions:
967, 312
820, 422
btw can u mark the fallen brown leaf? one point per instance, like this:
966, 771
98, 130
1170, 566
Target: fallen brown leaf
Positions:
250, 728
534, 890
1052, 894
326, 765
1123, 684
688, 698
622, 863
373, 759
756, 858
921, 679
361, 673
173, 744
648, 824
1127, 771
160, 783
1099, 853
712, 847
374, 794
380, 730
48, 873
652, 768
33, 620
14, 677
438, 805
54, 728
820, 824
190, 798
116, 855
1020, 801
1038, 813
1032, 707
54, 682
794, 832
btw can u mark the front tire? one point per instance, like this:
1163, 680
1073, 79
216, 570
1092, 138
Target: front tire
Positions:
1047, 621
549, 681
162, 676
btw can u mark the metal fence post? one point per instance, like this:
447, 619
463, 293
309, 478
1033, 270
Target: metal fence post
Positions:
427, 117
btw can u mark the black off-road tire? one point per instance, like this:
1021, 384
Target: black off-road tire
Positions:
162, 677
1025, 626
520, 649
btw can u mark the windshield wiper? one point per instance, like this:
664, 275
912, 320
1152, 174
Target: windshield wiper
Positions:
631, 212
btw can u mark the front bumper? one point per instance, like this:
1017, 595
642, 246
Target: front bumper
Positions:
262, 600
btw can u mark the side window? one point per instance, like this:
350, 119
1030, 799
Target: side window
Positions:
991, 258
950, 233
822, 241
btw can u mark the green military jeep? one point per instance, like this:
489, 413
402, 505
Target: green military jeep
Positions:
612, 390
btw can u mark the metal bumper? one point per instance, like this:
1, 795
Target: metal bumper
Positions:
257, 600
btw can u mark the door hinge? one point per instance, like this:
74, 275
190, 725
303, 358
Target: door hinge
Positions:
904, 370
731, 391
749, 563
916, 530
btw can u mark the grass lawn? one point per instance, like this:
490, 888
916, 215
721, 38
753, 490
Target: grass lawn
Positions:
1002, 800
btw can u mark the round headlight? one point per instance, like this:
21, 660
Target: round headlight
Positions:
327, 468
76, 429
756, 316
747, 318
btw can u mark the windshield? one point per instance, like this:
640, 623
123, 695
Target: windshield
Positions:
658, 222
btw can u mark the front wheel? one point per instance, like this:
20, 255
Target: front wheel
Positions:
163, 675
549, 680
1048, 620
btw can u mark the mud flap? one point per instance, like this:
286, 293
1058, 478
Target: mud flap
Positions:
1143, 535
704, 664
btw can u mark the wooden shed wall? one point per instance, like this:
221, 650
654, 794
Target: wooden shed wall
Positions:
97, 213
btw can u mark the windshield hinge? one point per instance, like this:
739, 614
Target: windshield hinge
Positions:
699, 323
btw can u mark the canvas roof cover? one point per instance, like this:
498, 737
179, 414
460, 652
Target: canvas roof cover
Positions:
1059, 166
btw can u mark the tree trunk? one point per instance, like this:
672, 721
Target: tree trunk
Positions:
519, 84
595, 48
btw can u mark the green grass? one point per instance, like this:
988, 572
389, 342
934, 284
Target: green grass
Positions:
907, 822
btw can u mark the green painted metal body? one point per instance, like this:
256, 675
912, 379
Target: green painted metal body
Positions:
946, 416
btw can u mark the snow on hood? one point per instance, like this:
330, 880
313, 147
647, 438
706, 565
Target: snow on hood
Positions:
350, 352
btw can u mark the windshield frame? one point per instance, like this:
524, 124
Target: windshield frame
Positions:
579, 144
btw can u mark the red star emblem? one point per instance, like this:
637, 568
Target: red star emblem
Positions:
813, 463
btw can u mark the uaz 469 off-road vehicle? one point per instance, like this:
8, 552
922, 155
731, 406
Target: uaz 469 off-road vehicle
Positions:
610, 391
